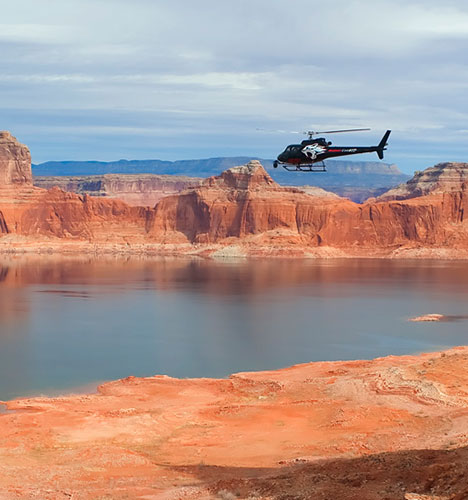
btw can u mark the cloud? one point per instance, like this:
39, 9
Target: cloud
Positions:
64, 78
33, 33
239, 81
192, 73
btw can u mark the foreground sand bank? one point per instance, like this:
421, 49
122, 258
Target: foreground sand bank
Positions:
385, 428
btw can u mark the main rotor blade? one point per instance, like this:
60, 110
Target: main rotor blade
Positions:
277, 131
338, 131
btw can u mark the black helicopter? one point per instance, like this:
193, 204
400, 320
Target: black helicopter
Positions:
308, 156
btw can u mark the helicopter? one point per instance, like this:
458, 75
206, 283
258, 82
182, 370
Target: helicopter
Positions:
308, 156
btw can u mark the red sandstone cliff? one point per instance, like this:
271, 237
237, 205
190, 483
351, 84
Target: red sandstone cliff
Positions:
15, 161
16, 189
241, 212
439, 179
66, 215
37, 213
244, 202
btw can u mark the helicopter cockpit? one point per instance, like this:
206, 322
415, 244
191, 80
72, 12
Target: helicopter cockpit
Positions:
320, 140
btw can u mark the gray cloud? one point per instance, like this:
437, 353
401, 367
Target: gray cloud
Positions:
107, 78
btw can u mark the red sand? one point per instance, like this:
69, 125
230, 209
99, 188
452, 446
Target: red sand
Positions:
377, 429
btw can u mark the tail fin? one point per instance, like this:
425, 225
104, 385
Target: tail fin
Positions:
381, 147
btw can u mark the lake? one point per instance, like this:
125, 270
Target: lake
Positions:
68, 324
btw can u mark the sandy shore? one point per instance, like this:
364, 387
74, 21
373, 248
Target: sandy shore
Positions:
16, 245
394, 427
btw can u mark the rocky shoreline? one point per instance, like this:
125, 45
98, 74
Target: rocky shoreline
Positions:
19, 245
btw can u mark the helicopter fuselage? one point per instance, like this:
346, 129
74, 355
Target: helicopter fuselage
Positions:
312, 151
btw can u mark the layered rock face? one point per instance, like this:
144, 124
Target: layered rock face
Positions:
136, 190
317, 191
439, 179
242, 201
37, 213
15, 162
245, 202
242, 208
69, 216
16, 188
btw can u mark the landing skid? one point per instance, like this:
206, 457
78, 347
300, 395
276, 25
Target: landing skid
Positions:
305, 167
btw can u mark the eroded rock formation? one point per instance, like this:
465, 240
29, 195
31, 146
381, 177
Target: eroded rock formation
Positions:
136, 190
439, 179
40, 214
15, 162
241, 201
240, 212
317, 191
232, 206
55, 213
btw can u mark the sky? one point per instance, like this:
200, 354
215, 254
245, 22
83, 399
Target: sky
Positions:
179, 79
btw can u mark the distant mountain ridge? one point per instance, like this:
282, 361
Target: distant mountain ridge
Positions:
194, 168
197, 168
356, 180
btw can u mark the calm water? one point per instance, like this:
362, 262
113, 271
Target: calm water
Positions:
66, 324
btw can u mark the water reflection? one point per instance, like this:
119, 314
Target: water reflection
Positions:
68, 322
250, 277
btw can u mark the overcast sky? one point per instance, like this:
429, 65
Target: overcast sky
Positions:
110, 79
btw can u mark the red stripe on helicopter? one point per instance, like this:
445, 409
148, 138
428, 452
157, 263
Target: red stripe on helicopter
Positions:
334, 150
